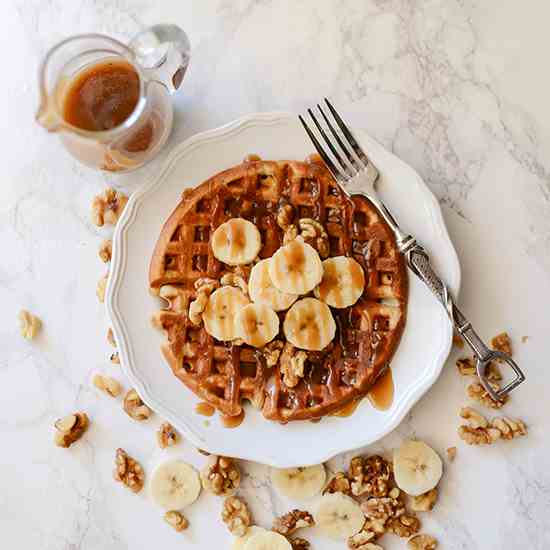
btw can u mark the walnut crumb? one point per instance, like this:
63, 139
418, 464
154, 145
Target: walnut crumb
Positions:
339, 484
222, 477
422, 542
501, 342
70, 428
114, 358
101, 287
108, 385
167, 436
177, 520
290, 522
424, 502
451, 453
29, 324
232, 279
370, 476
298, 543
134, 407
272, 352
108, 206
105, 251
478, 393
128, 471
236, 516
204, 288
292, 362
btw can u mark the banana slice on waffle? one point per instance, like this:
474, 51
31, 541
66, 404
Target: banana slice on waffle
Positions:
221, 312
236, 242
296, 268
257, 324
309, 325
342, 283
263, 291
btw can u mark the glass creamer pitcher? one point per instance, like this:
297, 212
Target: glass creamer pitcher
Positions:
110, 103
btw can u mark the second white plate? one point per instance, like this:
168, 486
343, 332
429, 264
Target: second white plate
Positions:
416, 365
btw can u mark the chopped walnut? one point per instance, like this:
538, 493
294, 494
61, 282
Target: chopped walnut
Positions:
114, 358
312, 232
177, 520
370, 476
108, 385
204, 288
475, 419
339, 484
167, 435
290, 522
478, 393
467, 367
271, 352
222, 477
383, 508
292, 362
478, 436
424, 502
70, 429
422, 542
177, 298
376, 526
404, 526
451, 453
285, 216
111, 337
501, 342
106, 250
134, 407
108, 206
362, 540
29, 324
299, 544
128, 471
232, 279
509, 429
236, 516
100, 289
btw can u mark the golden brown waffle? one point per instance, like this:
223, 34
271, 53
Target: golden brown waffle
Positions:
368, 333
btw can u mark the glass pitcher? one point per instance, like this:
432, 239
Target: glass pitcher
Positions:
155, 60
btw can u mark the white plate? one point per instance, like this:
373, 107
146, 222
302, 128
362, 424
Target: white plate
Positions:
416, 365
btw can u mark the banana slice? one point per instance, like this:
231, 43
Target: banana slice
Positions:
263, 291
267, 541
175, 484
339, 516
239, 543
221, 311
299, 483
417, 467
236, 242
342, 283
257, 324
309, 325
296, 268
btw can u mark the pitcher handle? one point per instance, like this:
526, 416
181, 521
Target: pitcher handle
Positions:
163, 53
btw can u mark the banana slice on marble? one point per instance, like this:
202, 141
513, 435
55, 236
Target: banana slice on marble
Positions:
262, 290
342, 283
221, 311
267, 541
338, 516
257, 324
236, 242
239, 543
299, 483
175, 485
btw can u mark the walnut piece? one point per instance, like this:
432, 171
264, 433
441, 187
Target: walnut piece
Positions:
292, 362
466, 367
167, 436
114, 358
451, 453
312, 232
236, 516
70, 428
285, 216
478, 436
290, 522
100, 289
106, 250
479, 431
177, 520
128, 471
424, 502
29, 324
108, 385
370, 476
364, 540
422, 542
501, 342
384, 508
475, 419
339, 484
222, 477
272, 352
232, 279
204, 287
108, 206
509, 428
478, 393
111, 337
134, 407
404, 526
299, 544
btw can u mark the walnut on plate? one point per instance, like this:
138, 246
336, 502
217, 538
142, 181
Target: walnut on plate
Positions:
313, 234
134, 407
290, 522
272, 352
422, 542
177, 520
167, 436
106, 384
105, 250
285, 216
424, 502
70, 428
292, 362
338, 484
108, 206
29, 324
370, 476
204, 287
128, 471
222, 477
236, 516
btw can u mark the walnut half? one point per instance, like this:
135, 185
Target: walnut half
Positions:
222, 477
236, 516
422, 542
424, 502
108, 385
70, 428
134, 407
292, 362
290, 522
177, 520
128, 471
339, 484
108, 206
167, 435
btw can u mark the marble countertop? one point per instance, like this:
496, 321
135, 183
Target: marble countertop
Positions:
455, 88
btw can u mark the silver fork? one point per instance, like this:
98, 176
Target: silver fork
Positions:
356, 174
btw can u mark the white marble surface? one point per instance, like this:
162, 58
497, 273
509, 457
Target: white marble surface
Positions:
457, 88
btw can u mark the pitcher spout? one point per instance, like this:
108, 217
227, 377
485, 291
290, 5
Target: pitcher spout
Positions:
47, 116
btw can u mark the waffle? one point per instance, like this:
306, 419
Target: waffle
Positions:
225, 374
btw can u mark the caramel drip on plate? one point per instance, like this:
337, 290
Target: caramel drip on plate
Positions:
232, 421
348, 409
205, 409
381, 394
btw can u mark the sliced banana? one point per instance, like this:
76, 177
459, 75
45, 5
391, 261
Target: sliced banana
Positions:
342, 283
239, 543
299, 483
296, 268
236, 242
267, 541
263, 291
309, 325
339, 516
175, 484
221, 311
417, 467
257, 324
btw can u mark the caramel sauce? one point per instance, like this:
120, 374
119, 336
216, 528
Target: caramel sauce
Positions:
293, 259
347, 410
307, 318
381, 394
205, 409
357, 275
232, 421
235, 237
